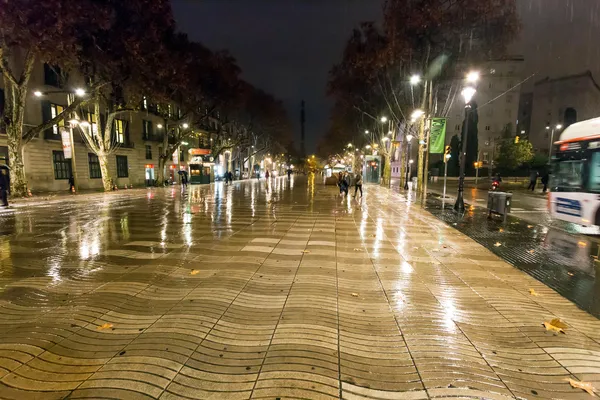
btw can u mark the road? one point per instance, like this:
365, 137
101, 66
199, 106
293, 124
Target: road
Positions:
526, 205
278, 289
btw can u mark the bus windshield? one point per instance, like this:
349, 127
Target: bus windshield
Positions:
568, 175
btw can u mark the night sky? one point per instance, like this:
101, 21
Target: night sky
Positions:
287, 46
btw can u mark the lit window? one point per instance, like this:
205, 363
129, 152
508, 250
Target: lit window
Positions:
55, 110
120, 130
91, 118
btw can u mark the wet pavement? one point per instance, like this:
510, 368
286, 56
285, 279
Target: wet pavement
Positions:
281, 290
550, 251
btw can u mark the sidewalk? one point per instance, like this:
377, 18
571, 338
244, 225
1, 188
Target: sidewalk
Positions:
275, 290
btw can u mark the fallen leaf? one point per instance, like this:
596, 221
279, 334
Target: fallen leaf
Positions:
550, 327
570, 273
558, 323
500, 230
105, 326
354, 294
533, 292
531, 251
555, 325
195, 272
497, 244
306, 251
444, 246
587, 386
530, 226
357, 249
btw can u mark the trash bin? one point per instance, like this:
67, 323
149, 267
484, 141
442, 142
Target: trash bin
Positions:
499, 203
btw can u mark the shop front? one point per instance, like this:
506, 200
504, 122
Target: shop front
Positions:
149, 174
201, 166
372, 169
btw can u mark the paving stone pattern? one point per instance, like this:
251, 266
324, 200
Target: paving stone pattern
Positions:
272, 291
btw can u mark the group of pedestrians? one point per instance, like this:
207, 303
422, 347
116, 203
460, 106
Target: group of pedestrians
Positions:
533, 176
228, 177
344, 182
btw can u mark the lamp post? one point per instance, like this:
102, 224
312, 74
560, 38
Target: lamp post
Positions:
409, 139
467, 94
557, 127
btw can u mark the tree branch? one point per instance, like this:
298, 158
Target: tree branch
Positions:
5, 68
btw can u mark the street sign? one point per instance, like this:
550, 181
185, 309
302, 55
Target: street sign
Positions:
437, 135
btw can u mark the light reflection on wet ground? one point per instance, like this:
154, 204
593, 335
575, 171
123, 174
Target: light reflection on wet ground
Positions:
277, 289
556, 256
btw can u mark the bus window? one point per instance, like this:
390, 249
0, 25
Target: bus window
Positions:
594, 174
569, 176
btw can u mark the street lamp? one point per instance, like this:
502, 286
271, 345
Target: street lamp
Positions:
409, 139
557, 127
416, 115
366, 132
80, 92
37, 93
473, 76
159, 126
415, 79
185, 126
384, 120
467, 94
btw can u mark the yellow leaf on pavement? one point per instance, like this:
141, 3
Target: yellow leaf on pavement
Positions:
533, 292
497, 244
500, 230
105, 326
195, 272
530, 226
354, 294
357, 249
556, 325
587, 386
306, 251
531, 251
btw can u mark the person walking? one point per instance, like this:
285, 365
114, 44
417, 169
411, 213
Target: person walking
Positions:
226, 177
4, 186
533, 175
230, 176
345, 183
545, 180
72, 184
358, 184
267, 174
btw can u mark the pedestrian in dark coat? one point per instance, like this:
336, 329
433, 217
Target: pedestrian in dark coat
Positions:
545, 180
533, 175
4, 186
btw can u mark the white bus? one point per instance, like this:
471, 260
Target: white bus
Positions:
575, 184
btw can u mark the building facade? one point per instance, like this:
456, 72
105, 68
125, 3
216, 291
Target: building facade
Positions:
497, 98
140, 136
562, 101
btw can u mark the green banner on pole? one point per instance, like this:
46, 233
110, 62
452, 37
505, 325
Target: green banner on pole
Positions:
437, 136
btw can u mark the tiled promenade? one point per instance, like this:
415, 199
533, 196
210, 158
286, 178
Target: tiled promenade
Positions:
272, 292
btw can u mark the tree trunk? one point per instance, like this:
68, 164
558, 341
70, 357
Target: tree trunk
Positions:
403, 157
387, 170
18, 180
106, 179
160, 174
14, 131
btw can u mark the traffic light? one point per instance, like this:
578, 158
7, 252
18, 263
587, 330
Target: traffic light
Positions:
517, 139
447, 153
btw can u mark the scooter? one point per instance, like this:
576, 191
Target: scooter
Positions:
495, 186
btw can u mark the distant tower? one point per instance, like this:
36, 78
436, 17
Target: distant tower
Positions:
302, 121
